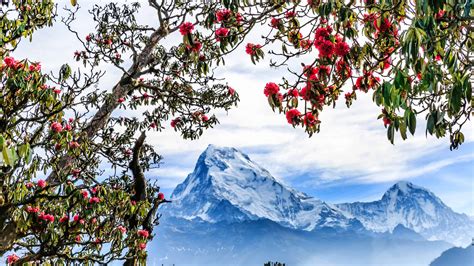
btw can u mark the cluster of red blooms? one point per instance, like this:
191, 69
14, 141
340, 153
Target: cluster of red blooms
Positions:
251, 48
271, 89
143, 233
326, 47
292, 116
11, 63
195, 47
12, 258
366, 82
46, 217
186, 28
221, 33
275, 23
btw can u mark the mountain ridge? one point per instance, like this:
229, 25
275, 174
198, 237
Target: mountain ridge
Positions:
226, 185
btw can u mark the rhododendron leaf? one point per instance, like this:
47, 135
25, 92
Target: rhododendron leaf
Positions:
430, 124
403, 130
411, 118
391, 133
455, 98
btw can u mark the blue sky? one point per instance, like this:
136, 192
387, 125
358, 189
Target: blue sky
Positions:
350, 159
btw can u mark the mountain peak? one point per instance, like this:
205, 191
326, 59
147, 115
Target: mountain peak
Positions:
403, 186
405, 189
226, 185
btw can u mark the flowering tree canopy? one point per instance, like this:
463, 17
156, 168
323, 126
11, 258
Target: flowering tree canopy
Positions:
58, 131
416, 57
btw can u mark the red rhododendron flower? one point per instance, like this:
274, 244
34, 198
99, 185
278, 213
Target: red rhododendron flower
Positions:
161, 196
94, 200
275, 22
122, 229
64, 219
32, 209
322, 33
326, 48
370, 17
204, 118
78, 238
291, 115
231, 91
271, 89
56, 127
440, 14
88, 38
385, 25
121, 100
84, 193
35, 67
174, 122
386, 121
419, 76
290, 14
387, 63
196, 46
438, 57
238, 17
222, 33
186, 28
305, 44
304, 93
76, 218
29, 185
293, 93
348, 96
323, 71
341, 49
153, 125
9, 61
251, 48
143, 233
309, 119
46, 217
223, 15
12, 258
142, 246
41, 183
343, 69
68, 127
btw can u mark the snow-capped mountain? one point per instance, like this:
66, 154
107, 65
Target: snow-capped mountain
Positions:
227, 186
415, 208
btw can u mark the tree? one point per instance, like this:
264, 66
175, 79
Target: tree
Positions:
416, 57
58, 132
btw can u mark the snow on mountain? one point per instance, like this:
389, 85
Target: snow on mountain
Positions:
415, 208
227, 186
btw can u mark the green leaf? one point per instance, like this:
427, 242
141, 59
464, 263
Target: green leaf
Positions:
391, 133
431, 124
455, 98
386, 91
403, 130
412, 122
